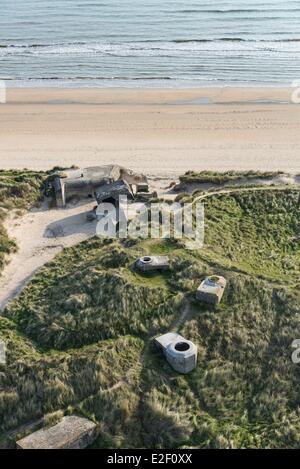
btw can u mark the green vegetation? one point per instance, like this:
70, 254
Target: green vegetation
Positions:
70, 307
20, 189
257, 232
213, 177
35, 383
79, 335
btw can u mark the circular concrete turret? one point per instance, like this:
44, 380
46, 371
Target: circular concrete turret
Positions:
146, 260
182, 355
149, 263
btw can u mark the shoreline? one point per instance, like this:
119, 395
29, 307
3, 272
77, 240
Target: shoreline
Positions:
161, 132
118, 95
44, 84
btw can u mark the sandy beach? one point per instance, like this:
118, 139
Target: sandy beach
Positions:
159, 132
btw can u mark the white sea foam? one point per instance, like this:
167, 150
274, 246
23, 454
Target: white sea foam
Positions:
152, 49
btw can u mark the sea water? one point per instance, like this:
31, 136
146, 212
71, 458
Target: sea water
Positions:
149, 43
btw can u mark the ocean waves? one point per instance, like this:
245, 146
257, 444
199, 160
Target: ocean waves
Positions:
174, 42
174, 48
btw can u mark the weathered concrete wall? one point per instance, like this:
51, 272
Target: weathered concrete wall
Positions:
211, 290
83, 182
71, 433
182, 355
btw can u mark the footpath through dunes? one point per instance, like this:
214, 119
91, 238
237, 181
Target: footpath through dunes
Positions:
85, 321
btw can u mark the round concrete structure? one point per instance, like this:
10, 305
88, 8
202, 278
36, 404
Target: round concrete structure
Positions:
181, 354
149, 263
146, 260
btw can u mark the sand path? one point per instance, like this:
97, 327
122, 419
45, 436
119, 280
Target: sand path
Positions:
41, 234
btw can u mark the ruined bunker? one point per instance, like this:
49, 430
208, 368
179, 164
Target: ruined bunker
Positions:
71, 433
180, 353
83, 183
111, 192
152, 263
211, 289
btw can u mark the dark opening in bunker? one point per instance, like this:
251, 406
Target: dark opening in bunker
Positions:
146, 259
182, 346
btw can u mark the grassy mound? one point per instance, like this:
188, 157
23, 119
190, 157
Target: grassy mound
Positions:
20, 189
212, 177
34, 383
256, 231
78, 299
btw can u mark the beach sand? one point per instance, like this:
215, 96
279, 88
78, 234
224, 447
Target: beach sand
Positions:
159, 132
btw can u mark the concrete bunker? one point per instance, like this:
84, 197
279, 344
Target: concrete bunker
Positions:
180, 353
72, 432
211, 290
152, 263
83, 183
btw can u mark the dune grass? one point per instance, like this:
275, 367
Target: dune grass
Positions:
255, 231
79, 337
219, 178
